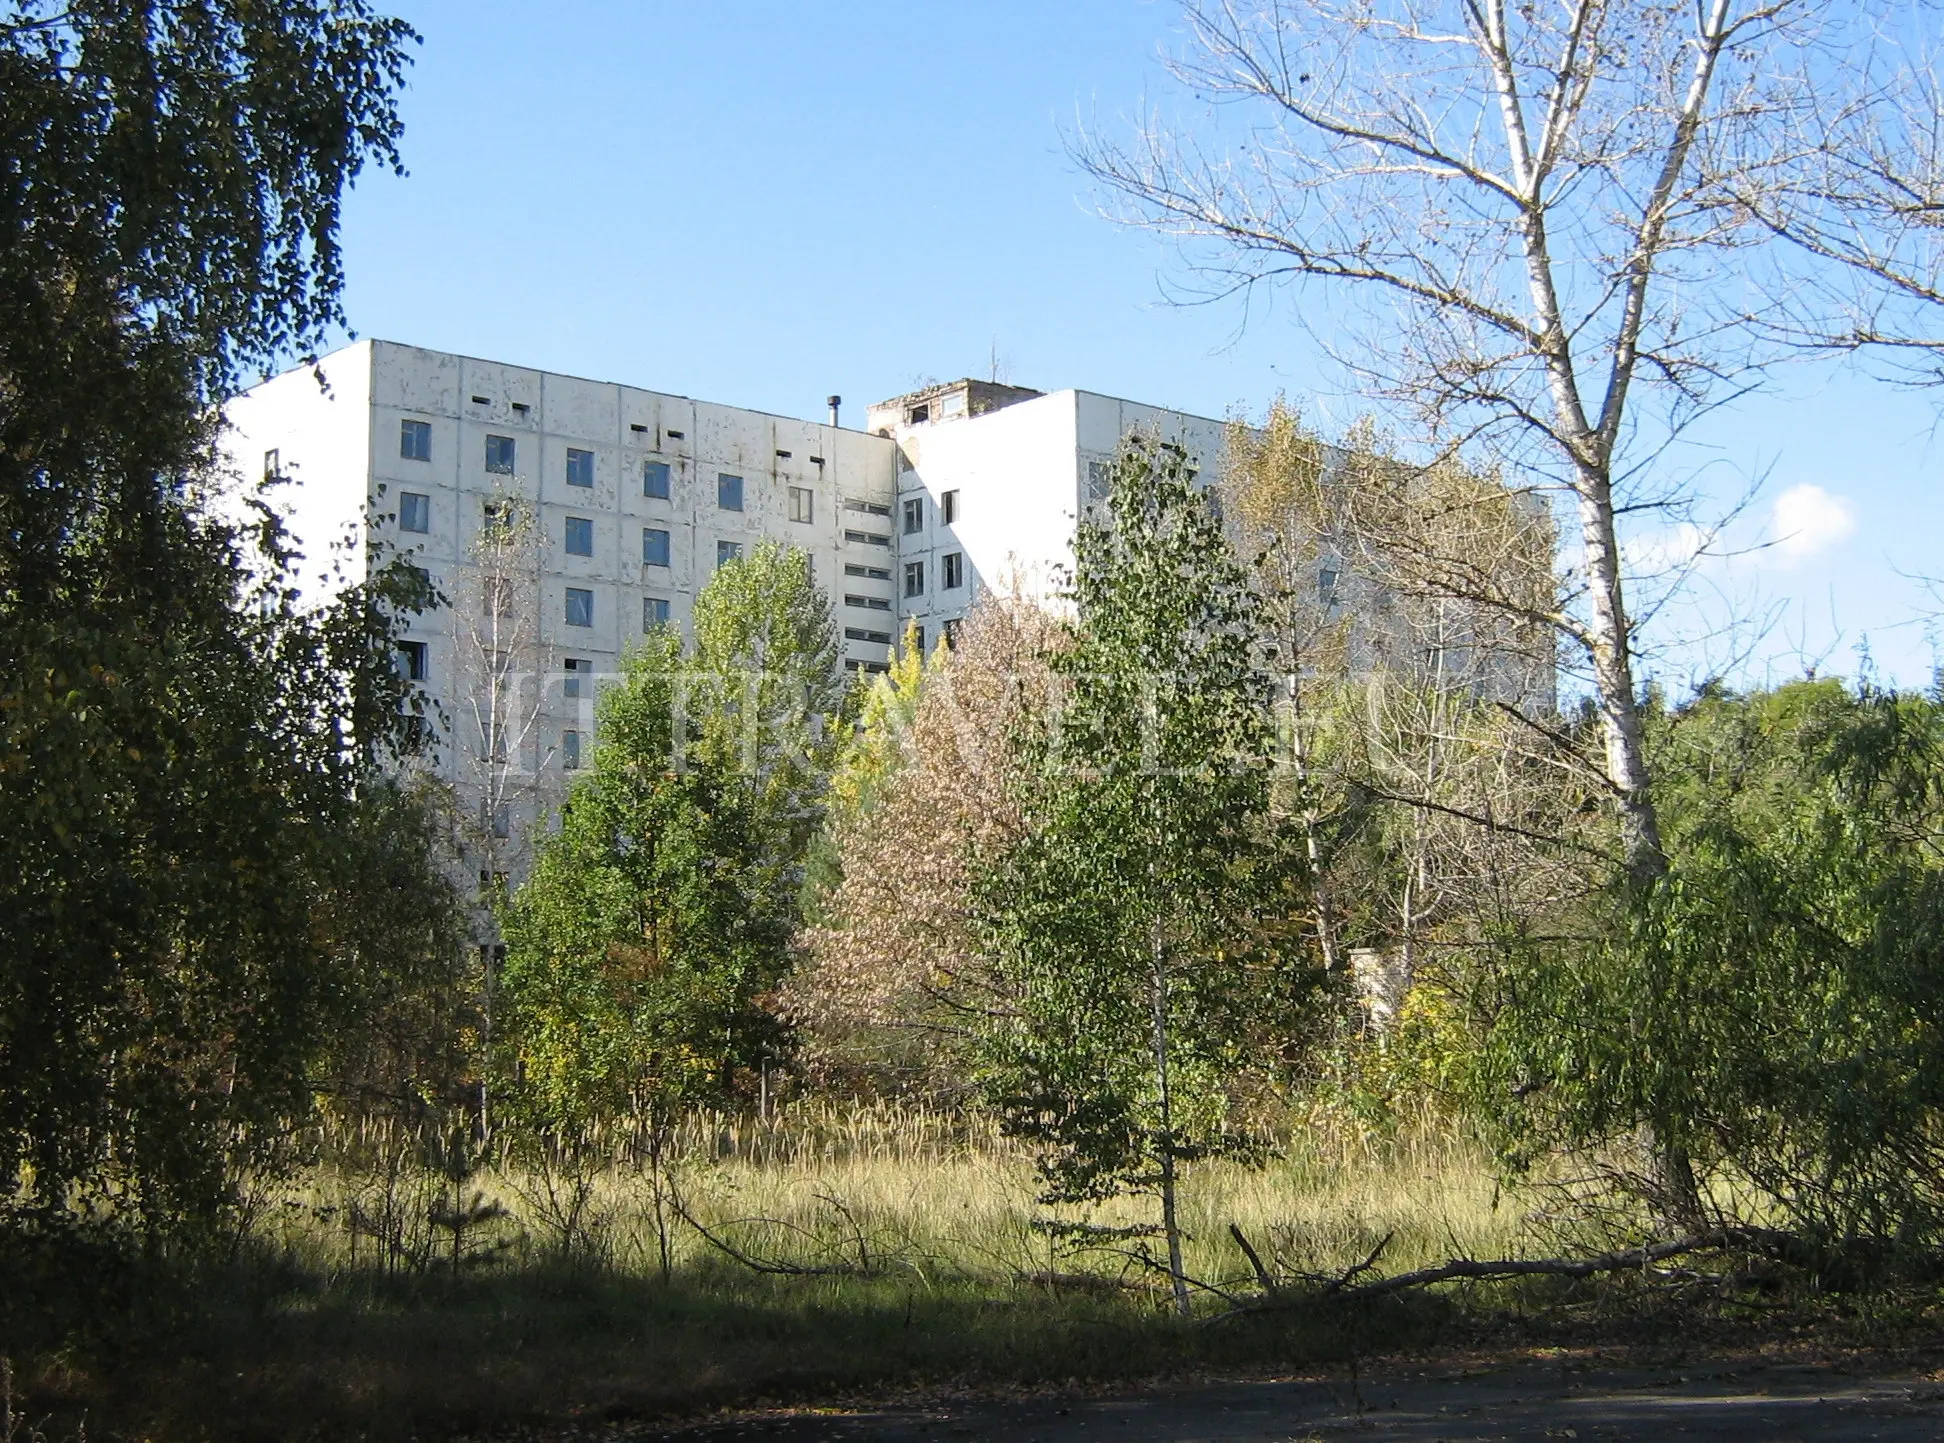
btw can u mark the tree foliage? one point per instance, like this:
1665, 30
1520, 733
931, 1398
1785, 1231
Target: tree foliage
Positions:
893, 985
650, 925
662, 914
191, 798
1774, 1006
1138, 921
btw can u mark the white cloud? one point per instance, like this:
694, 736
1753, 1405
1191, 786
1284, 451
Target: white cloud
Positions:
1807, 520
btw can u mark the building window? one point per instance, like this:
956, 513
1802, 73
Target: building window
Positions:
576, 668
803, 504
414, 511
415, 440
948, 508
914, 578
580, 536
726, 552
875, 573
654, 480
1100, 480
499, 455
918, 639
914, 515
580, 467
654, 546
272, 465
867, 538
412, 656
858, 633
729, 492
869, 508
951, 630
953, 567
580, 607
867, 603
654, 612
570, 751
1326, 585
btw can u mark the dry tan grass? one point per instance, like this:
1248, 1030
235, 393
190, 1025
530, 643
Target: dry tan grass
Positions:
941, 1198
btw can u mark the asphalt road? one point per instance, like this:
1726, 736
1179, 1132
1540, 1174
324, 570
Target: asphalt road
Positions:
1733, 1403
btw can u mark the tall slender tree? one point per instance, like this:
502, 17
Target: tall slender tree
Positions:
1138, 924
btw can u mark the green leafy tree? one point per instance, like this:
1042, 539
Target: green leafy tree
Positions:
650, 928
661, 916
1775, 1006
1138, 924
190, 764
763, 692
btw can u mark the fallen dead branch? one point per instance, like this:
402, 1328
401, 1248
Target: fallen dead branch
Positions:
1617, 1261
1312, 1289
776, 1267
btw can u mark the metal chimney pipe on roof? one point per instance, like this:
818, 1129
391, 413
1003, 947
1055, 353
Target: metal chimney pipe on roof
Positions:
835, 402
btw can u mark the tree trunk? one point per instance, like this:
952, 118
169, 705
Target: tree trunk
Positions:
1319, 883
1170, 1226
1626, 753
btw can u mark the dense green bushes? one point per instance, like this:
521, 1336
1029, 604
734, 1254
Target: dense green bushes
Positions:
1775, 1003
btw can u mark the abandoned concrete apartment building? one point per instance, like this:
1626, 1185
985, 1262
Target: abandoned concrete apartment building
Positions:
637, 496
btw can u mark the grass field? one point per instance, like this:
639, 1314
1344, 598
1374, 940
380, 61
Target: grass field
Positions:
879, 1249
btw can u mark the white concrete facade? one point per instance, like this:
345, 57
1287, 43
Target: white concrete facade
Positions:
1014, 470
396, 436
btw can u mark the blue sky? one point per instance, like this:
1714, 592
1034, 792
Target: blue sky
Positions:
763, 203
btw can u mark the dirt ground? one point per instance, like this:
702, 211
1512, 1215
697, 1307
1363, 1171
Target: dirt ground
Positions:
1734, 1402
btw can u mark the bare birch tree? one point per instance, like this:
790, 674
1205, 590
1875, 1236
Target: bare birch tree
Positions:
500, 696
1857, 200
500, 692
1526, 210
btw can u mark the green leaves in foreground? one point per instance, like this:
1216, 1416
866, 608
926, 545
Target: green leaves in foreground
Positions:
1137, 926
662, 912
1776, 1004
